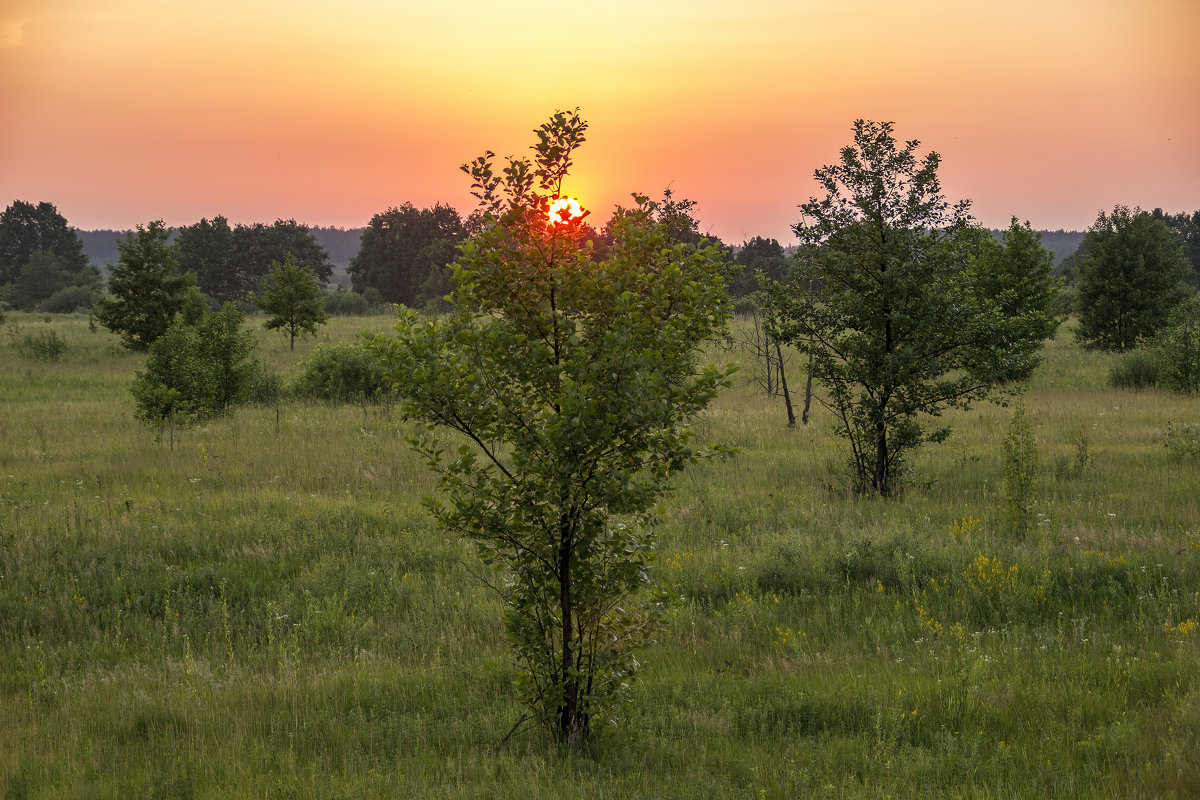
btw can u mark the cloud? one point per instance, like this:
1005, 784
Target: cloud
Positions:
12, 33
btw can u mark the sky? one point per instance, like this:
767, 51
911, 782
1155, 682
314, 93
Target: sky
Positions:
125, 111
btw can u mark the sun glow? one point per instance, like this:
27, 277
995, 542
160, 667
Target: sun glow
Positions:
564, 210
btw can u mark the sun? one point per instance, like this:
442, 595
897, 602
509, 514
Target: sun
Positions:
564, 210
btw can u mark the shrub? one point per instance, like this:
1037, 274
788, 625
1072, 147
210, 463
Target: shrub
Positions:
40, 346
67, 300
1176, 348
1182, 441
343, 372
1137, 369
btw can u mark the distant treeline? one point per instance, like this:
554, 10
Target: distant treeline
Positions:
342, 244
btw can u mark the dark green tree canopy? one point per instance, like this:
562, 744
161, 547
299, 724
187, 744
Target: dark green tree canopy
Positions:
758, 256
25, 229
205, 249
1187, 228
229, 263
146, 286
884, 298
406, 251
291, 297
1129, 272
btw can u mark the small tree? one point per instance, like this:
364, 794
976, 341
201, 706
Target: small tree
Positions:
885, 302
1176, 348
292, 299
196, 371
571, 383
147, 288
1130, 269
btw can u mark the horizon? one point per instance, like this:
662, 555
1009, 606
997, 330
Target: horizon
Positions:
1050, 113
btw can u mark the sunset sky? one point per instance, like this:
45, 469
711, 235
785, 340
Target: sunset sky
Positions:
124, 111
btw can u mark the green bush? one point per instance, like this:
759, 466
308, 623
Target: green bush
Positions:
1137, 369
341, 303
40, 346
1176, 348
343, 372
67, 300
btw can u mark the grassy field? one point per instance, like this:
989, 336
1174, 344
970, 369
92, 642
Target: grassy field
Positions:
264, 610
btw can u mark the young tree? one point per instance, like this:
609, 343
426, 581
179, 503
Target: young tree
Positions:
292, 299
1129, 271
1176, 348
884, 300
572, 383
196, 371
146, 285
205, 249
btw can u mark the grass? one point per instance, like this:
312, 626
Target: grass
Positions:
265, 610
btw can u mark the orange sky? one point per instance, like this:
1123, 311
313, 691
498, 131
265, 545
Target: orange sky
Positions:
124, 111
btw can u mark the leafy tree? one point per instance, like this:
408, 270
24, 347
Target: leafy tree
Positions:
405, 252
571, 383
25, 229
1187, 228
43, 274
1129, 273
256, 247
758, 256
146, 285
195, 371
292, 299
884, 300
1017, 274
205, 249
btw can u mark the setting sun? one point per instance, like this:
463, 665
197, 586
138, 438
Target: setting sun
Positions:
564, 210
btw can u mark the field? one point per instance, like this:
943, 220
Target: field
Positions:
263, 609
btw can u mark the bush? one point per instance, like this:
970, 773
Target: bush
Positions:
1137, 369
67, 300
343, 372
346, 304
1176, 348
40, 346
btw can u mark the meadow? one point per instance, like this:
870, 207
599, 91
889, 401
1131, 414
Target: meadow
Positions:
263, 609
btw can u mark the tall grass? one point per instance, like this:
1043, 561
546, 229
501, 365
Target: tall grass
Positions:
266, 611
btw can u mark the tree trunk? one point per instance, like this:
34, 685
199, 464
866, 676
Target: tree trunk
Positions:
570, 729
787, 398
807, 392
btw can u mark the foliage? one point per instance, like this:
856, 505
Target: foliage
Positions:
1017, 274
1020, 470
1176, 348
758, 256
885, 301
229, 264
40, 346
1186, 228
341, 303
25, 229
1129, 272
1134, 369
1182, 441
194, 372
572, 383
292, 299
146, 286
67, 300
341, 373
405, 252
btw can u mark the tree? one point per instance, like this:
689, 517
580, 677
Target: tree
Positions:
1017, 274
884, 300
571, 384
1187, 228
196, 371
256, 247
405, 252
43, 274
146, 285
205, 249
292, 299
1176, 348
1129, 273
758, 256
25, 229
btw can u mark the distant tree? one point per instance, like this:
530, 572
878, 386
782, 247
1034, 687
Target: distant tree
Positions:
1129, 274
25, 229
256, 247
146, 286
292, 299
1187, 228
1017, 274
405, 249
758, 256
205, 249
884, 301
573, 384
43, 274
